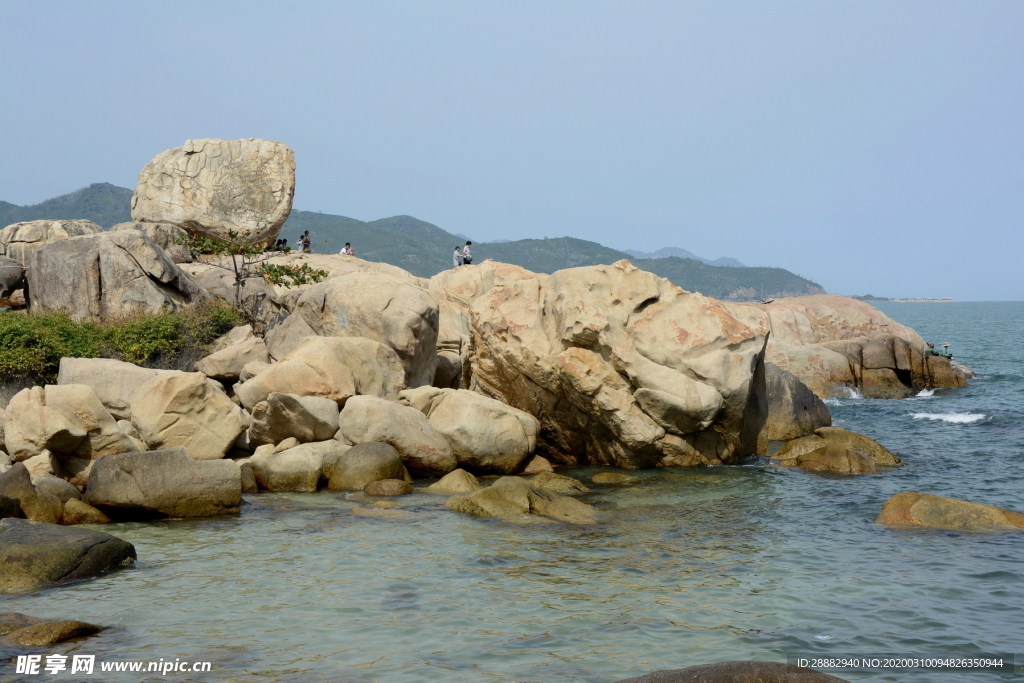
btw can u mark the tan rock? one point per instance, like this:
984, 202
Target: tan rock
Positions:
559, 483
305, 418
538, 464
793, 409
20, 240
83, 408
51, 633
213, 187
290, 442
31, 427
387, 487
184, 410
387, 515
833, 458
353, 468
115, 382
610, 478
167, 236
424, 451
925, 510
38, 506
45, 463
385, 308
457, 481
287, 336
294, 469
80, 512
824, 436
485, 434
516, 500
233, 352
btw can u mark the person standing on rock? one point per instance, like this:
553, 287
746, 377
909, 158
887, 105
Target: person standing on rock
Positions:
307, 247
457, 256
467, 258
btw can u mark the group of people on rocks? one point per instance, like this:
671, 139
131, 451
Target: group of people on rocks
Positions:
463, 257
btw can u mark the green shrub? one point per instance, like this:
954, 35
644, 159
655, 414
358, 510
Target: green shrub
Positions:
32, 345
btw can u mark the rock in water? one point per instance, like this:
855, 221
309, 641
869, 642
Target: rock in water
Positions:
793, 409
936, 512
388, 487
516, 500
281, 416
35, 554
610, 478
78, 512
866, 446
165, 483
294, 469
559, 483
833, 458
50, 633
213, 187
109, 275
738, 672
457, 481
36, 504
353, 469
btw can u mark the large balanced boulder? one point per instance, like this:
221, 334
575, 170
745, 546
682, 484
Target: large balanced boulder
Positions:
185, 409
738, 672
36, 503
621, 367
353, 469
108, 275
232, 352
825, 436
424, 451
36, 555
485, 434
163, 483
391, 310
516, 500
20, 240
329, 367
306, 418
167, 236
935, 512
216, 187
793, 409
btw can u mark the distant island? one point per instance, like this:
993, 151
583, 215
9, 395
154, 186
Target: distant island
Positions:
425, 249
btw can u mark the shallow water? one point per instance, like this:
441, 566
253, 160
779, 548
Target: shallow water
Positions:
689, 566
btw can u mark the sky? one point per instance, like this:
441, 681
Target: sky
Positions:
873, 147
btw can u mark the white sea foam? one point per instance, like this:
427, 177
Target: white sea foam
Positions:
955, 418
925, 393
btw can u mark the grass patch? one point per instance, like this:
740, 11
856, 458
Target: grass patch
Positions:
31, 345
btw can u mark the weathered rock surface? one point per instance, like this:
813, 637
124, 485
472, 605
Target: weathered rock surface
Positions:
213, 187
306, 418
32, 427
387, 487
232, 352
10, 507
50, 633
738, 672
12, 279
610, 478
832, 458
80, 512
329, 367
457, 481
385, 308
36, 504
183, 409
824, 436
287, 336
453, 345
295, 469
485, 434
538, 464
20, 240
793, 409
109, 275
935, 512
163, 483
353, 469
559, 483
35, 554
167, 236
620, 366
57, 487
80, 405
516, 500
424, 451
115, 382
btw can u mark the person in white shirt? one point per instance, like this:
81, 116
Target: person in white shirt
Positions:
467, 258
347, 250
457, 257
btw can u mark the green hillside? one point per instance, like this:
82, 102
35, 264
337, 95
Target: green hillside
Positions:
425, 249
101, 203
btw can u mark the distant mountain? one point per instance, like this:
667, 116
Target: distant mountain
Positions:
666, 252
101, 203
424, 249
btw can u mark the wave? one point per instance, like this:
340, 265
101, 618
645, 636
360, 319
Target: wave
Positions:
925, 393
955, 418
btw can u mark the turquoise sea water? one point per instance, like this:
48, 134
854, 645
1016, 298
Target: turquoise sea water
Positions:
690, 566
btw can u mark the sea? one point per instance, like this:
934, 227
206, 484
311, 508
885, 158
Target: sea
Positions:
751, 561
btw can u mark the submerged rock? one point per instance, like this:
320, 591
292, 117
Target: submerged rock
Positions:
516, 500
458, 481
610, 478
935, 512
50, 633
294, 469
824, 436
832, 458
388, 487
353, 469
35, 554
559, 483
738, 672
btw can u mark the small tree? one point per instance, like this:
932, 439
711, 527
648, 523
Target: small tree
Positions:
248, 260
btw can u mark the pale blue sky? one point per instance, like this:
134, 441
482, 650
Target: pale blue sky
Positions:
871, 146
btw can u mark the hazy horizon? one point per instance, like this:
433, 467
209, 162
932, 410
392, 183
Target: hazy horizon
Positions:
871, 147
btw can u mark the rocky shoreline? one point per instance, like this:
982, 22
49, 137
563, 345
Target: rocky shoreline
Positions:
372, 379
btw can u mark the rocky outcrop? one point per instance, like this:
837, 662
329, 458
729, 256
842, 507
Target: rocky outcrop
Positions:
516, 500
793, 409
31, 427
423, 450
115, 382
935, 512
186, 409
620, 366
836, 343
36, 555
832, 458
353, 469
825, 436
215, 187
329, 367
168, 237
385, 308
164, 483
12, 280
80, 405
738, 672
294, 469
306, 418
232, 352
485, 434
109, 275
287, 336
36, 504
20, 240
453, 346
